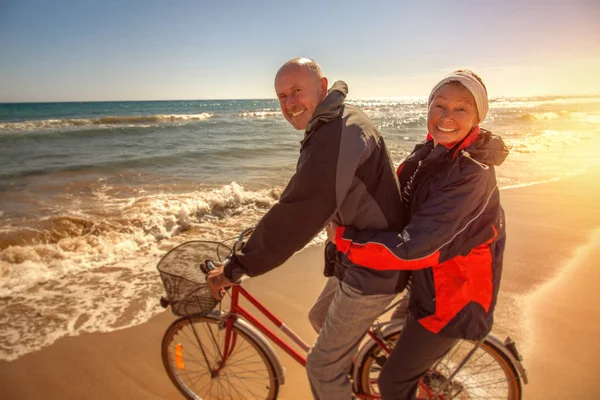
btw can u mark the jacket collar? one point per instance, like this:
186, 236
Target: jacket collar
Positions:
329, 109
480, 144
487, 148
464, 143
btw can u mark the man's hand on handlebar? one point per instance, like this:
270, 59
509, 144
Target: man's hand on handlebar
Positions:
217, 281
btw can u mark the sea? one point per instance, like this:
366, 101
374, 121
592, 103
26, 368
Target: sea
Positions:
93, 194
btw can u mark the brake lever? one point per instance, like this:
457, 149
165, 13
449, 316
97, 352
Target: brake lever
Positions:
237, 246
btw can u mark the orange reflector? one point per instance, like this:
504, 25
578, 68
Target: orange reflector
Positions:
179, 356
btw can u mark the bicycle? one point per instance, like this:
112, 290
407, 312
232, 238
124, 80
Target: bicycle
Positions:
210, 353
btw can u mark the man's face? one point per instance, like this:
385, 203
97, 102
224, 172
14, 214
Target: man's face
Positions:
452, 114
299, 92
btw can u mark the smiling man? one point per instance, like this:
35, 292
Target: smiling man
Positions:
344, 174
300, 87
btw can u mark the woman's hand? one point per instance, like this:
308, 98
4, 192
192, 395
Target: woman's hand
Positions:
331, 229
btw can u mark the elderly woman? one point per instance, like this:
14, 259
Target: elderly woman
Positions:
455, 236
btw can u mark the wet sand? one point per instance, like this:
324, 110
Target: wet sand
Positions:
565, 327
549, 296
547, 304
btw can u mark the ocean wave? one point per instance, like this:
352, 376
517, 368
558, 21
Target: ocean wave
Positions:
50, 247
593, 118
547, 139
180, 161
539, 116
90, 272
407, 122
530, 102
389, 102
95, 270
268, 113
107, 121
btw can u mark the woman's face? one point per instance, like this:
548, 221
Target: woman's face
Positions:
452, 114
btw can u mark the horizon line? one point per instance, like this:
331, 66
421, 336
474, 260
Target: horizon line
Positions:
275, 99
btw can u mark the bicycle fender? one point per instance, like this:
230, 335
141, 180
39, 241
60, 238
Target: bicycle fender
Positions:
255, 335
515, 359
382, 329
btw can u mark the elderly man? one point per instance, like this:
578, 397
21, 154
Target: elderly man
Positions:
343, 174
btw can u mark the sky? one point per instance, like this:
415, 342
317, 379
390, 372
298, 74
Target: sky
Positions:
167, 50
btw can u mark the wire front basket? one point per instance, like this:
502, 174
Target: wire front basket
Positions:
183, 279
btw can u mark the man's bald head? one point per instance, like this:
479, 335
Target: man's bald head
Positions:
300, 87
302, 63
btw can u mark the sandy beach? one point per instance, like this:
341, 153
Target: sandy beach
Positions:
547, 305
131, 129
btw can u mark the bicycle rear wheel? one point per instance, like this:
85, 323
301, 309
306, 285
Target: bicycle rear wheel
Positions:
192, 350
488, 374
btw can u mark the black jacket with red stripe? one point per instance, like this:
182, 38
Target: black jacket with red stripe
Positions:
344, 173
455, 237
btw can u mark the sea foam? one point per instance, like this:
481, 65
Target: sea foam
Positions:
52, 247
97, 272
261, 114
107, 121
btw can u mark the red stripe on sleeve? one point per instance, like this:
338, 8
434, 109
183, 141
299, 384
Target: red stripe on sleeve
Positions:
342, 244
377, 256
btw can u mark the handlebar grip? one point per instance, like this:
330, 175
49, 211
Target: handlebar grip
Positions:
210, 265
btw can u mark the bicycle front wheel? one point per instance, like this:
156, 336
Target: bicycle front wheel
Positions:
192, 351
488, 374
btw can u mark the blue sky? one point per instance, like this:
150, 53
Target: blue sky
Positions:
143, 50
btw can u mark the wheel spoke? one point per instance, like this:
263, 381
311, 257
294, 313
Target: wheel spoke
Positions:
246, 374
486, 375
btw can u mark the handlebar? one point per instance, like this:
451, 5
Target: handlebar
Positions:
237, 246
208, 265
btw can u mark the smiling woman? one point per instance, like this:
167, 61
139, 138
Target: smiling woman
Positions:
452, 114
456, 105
454, 240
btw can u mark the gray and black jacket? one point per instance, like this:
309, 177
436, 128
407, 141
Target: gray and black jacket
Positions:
455, 238
344, 173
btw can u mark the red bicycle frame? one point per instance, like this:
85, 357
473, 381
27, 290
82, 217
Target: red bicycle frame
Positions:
237, 310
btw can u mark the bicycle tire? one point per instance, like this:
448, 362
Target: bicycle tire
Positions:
247, 374
488, 359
